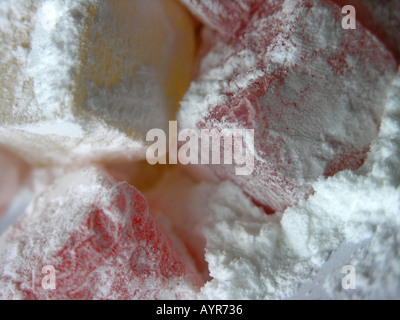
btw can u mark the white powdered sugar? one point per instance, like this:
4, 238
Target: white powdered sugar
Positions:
54, 58
254, 256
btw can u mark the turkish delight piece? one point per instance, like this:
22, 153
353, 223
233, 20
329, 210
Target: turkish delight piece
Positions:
313, 92
13, 173
86, 80
99, 241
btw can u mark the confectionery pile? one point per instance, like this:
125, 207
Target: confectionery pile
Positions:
90, 210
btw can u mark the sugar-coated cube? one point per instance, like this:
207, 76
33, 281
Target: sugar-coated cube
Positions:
313, 92
99, 241
85, 80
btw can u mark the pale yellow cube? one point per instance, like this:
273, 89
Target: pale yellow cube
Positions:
84, 80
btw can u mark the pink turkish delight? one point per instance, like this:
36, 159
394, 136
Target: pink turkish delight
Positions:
313, 92
99, 240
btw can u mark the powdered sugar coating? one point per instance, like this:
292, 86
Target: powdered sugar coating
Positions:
281, 253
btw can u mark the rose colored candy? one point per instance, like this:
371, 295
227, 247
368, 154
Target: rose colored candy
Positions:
313, 92
13, 172
101, 241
